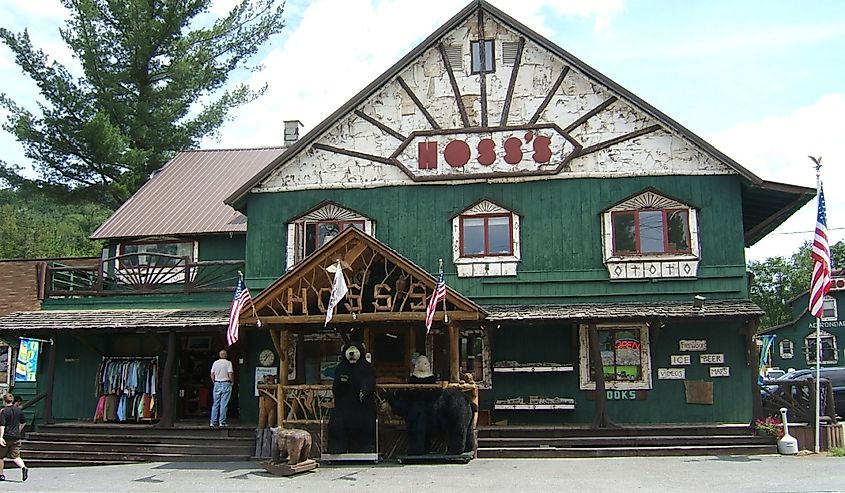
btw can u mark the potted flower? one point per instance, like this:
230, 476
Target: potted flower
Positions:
771, 426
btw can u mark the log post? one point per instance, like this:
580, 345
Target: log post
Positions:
601, 419
51, 378
454, 353
166, 420
283, 376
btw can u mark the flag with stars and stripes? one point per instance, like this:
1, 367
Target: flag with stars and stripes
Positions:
438, 296
820, 284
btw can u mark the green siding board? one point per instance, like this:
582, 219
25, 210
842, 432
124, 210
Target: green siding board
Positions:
416, 222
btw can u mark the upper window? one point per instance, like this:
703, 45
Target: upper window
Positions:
650, 236
158, 254
485, 240
828, 347
487, 65
625, 359
308, 232
651, 231
787, 349
829, 309
318, 233
488, 234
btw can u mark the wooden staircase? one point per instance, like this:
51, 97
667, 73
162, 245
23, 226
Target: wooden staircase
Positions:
627, 441
101, 444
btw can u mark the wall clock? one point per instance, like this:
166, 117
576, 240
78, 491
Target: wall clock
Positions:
266, 357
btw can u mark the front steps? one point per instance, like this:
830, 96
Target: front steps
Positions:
627, 441
102, 444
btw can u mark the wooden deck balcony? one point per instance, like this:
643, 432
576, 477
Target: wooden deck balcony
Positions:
140, 273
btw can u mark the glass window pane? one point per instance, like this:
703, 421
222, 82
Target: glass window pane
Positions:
327, 231
472, 236
651, 231
624, 237
476, 56
678, 223
499, 235
310, 238
488, 56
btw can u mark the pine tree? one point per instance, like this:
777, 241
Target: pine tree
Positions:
153, 82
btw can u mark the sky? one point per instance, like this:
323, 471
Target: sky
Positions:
762, 80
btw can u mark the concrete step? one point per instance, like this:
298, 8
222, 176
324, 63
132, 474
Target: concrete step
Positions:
124, 457
611, 441
622, 431
76, 428
53, 436
564, 452
83, 447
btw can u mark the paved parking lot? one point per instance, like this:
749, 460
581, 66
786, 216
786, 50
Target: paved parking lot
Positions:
676, 474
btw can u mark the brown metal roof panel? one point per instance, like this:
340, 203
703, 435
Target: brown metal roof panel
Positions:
186, 195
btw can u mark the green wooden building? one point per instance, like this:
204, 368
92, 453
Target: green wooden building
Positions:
592, 249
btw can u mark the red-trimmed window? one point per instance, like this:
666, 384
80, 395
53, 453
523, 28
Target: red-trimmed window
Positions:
318, 234
651, 231
486, 235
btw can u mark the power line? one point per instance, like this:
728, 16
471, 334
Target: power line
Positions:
804, 232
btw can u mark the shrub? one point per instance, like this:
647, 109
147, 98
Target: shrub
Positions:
770, 426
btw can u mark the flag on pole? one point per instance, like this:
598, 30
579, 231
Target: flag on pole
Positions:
241, 298
438, 296
820, 284
339, 291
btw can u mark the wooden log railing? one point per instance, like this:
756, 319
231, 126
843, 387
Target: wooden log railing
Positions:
799, 399
140, 273
312, 404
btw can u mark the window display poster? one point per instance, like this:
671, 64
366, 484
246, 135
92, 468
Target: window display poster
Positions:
261, 372
27, 363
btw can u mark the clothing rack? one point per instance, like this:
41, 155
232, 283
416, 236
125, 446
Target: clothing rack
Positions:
127, 388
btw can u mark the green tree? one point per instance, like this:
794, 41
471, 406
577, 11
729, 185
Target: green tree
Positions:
778, 279
152, 83
32, 226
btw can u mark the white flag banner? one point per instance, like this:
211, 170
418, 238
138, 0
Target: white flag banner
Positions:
338, 291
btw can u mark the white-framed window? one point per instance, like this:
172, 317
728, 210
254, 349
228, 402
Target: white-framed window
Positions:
829, 311
625, 356
485, 241
650, 236
489, 62
308, 232
787, 349
829, 351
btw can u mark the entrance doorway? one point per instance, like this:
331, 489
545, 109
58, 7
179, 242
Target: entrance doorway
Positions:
194, 400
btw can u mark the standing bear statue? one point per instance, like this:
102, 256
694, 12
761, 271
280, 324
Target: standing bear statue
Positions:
352, 421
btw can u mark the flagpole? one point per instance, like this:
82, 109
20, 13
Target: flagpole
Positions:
816, 448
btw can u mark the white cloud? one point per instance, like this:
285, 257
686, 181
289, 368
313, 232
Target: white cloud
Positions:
777, 149
340, 46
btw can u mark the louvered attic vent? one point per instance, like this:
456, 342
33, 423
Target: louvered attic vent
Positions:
509, 49
455, 56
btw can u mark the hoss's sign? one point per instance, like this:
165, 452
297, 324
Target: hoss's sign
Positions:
490, 152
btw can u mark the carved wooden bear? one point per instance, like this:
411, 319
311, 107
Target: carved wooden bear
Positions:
295, 445
352, 421
433, 412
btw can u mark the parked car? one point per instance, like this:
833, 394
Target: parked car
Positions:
836, 375
774, 373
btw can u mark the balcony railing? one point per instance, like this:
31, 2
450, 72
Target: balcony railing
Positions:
799, 399
141, 273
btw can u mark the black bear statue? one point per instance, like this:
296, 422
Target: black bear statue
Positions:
352, 421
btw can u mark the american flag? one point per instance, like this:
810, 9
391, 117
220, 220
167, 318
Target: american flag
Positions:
240, 300
438, 296
820, 284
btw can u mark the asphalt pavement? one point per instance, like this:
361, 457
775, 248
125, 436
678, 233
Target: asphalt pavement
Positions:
767, 473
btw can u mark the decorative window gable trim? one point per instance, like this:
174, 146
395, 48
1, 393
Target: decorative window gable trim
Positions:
326, 211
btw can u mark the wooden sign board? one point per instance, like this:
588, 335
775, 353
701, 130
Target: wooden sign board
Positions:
712, 359
680, 359
671, 373
692, 345
720, 371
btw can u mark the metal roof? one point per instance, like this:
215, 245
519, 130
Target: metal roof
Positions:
766, 204
113, 319
625, 311
186, 195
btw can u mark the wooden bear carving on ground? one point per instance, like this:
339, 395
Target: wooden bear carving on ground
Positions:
291, 444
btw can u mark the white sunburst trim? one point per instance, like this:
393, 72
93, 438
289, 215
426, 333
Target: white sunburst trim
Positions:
644, 267
487, 266
330, 212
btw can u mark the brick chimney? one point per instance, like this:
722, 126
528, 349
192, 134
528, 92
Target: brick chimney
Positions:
292, 131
